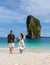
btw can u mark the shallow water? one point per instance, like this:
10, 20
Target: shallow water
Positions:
36, 44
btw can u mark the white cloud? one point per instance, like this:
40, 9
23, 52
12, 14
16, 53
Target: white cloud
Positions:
36, 7
8, 16
19, 9
47, 20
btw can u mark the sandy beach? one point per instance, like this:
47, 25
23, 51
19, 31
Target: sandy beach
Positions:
26, 58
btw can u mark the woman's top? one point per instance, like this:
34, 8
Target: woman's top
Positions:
21, 42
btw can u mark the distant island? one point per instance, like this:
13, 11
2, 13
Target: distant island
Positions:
33, 27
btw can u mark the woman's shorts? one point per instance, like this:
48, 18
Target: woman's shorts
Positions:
11, 44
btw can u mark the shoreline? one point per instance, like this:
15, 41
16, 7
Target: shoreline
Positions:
6, 50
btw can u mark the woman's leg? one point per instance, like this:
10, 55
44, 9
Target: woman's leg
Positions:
21, 50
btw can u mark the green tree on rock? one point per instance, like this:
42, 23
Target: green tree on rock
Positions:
34, 27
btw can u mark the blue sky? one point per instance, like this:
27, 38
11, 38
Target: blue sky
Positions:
13, 14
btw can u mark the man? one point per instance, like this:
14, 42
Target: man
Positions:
11, 40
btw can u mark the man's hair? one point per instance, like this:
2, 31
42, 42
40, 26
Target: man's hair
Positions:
11, 31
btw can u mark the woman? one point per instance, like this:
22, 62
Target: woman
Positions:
21, 43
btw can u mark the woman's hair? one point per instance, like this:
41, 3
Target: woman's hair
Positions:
22, 36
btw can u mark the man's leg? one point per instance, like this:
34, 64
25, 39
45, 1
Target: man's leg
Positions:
12, 47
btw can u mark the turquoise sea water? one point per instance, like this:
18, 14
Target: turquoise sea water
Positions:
36, 44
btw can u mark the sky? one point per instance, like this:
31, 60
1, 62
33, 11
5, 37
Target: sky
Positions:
13, 15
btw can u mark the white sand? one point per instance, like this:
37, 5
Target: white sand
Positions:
27, 58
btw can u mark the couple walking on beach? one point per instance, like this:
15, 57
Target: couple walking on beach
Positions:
11, 40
